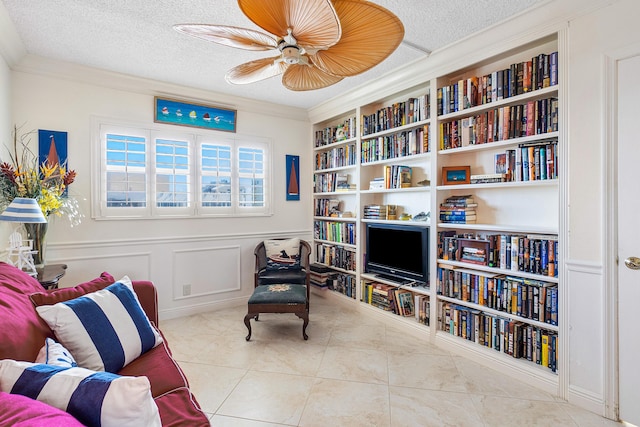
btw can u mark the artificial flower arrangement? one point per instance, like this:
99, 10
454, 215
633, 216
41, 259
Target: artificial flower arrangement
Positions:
47, 182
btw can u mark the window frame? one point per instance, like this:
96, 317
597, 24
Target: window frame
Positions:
195, 139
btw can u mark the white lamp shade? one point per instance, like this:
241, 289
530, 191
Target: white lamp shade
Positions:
23, 210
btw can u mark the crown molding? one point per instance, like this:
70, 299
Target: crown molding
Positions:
53, 68
11, 47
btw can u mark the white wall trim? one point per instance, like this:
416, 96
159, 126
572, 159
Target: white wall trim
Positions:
304, 234
192, 309
587, 400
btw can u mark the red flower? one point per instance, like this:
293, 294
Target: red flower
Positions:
7, 171
69, 177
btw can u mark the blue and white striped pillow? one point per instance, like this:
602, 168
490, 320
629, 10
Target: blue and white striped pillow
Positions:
93, 398
103, 330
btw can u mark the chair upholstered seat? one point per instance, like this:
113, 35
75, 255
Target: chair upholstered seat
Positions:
283, 293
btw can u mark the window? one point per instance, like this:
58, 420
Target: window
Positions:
148, 173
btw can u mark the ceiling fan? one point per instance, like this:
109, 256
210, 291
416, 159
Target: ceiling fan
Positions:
319, 42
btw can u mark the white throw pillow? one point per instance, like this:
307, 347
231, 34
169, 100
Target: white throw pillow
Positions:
54, 353
104, 330
93, 398
282, 254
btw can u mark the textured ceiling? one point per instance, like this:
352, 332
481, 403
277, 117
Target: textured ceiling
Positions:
136, 38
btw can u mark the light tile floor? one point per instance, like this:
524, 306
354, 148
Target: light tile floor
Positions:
355, 370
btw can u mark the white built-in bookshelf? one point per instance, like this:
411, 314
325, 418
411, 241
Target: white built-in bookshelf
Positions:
495, 266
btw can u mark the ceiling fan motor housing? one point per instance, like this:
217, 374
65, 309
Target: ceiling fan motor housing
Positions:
291, 54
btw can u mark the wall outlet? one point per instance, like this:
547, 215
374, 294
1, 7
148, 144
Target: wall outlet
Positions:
186, 290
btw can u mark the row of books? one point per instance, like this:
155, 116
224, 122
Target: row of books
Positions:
538, 73
397, 114
341, 132
339, 232
326, 207
344, 284
396, 300
330, 182
527, 298
380, 211
501, 124
406, 143
530, 253
336, 256
336, 157
529, 162
397, 176
508, 336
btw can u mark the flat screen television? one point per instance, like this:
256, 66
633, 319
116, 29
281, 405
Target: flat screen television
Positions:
398, 252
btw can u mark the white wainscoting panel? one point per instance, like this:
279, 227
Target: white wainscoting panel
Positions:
205, 271
585, 291
136, 265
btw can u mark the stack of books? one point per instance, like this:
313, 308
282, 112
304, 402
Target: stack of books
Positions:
458, 210
376, 183
319, 275
342, 183
375, 212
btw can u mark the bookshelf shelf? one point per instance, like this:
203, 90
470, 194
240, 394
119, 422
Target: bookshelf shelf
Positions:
498, 227
513, 208
398, 222
410, 158
398, 129
514, 100
341, 270
330, 242
487, 269
501, 144
336, 193
335, 144
499, 313
338, 169
397, 190
499, 185
333, 218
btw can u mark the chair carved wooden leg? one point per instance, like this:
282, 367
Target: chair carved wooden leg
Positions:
305, 317
247, 322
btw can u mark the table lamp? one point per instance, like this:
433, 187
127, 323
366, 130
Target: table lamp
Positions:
22, 210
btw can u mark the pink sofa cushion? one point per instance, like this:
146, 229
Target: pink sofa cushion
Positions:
23, 332
65, 294
21, 411
175, 413
159, 366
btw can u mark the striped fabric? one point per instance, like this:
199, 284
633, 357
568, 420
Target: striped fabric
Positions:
103, 330
98, 399
53, 353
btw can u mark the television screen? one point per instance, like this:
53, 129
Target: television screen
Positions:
398, 252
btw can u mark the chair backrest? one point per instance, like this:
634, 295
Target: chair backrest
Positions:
261, 260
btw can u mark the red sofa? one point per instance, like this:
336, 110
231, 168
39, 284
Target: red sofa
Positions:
23, 333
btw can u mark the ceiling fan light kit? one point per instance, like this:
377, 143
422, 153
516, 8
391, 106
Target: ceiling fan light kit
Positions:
319, 42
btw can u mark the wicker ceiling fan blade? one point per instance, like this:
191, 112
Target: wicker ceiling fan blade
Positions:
370, 33
242, 38
300, 77
254, 71
314, 23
